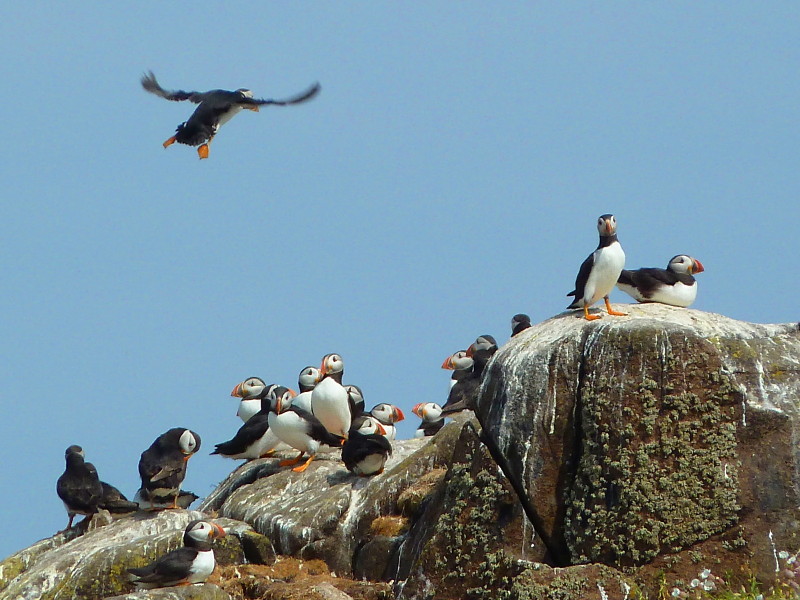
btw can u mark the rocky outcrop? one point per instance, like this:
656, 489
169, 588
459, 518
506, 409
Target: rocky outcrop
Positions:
606, 459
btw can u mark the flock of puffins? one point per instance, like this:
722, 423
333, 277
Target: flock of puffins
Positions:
326, 415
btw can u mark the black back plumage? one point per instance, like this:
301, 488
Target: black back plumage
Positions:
464, 394
315, 429
249, 433
430, 428
162, 465
519, 323
360, 446
650, 279
79, 486
115, 501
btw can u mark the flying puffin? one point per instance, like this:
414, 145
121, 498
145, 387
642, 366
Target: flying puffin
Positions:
216, 107
79, 486
299, 429
329, 400
432, 419
366, 450
162, 466
254, 439
673, 285
519, 323
251, 391
460, 364
601, 269
387, 415
306, 381
193, 563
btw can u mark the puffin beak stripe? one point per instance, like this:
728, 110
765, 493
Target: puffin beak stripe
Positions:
398, 414
697, 266
448, 363
417, 409
217, 531
381, 429
237, 391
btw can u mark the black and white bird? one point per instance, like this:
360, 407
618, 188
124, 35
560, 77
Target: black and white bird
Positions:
191, 564
461, 365
254, 438
367, 449
162, 467
299, 429
674, 285
432, 419
355, 397
215, 108
251, 391
307, 380
329, 400
387, 415
79, 486
600, 271
464, 394
519, 323
115, 501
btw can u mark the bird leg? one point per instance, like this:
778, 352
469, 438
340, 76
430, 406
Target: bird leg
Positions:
611, 311
202, 151
291, 461
304, 466
175, 500
169, 142
267, 454
254, 108
587, 315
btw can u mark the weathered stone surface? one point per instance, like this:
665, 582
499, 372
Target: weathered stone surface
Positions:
206, 591
471, 539
94, 565
325, 512
634, 437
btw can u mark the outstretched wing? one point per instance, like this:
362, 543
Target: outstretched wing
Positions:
302, 97
150, 83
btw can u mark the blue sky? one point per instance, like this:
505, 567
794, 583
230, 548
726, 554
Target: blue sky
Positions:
448, 176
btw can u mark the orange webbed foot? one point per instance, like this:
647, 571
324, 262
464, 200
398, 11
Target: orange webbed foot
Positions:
587, 316
169, 142
202, 151
291, 461
304, 466
611, 311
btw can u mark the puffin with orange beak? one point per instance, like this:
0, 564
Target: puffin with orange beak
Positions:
251, 391
460, 364
367, 449
298, 428
387, 415
600, 271
191, 564
674, 285
162, 466
432, 419
215, 108
464, 394
329, 400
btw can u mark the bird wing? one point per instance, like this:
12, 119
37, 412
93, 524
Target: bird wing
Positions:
301, 97
582, 278
150, 83
171, 567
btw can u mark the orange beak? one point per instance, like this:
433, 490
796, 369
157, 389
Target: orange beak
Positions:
448, 363
471, 350
697, 267
398, 414
381, 429
608, 226
237, 391
217, 531
417, 410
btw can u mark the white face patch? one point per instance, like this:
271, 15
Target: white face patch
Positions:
187, 442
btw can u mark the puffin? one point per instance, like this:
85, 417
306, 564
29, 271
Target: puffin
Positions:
162, 466
329, 400
519, 323
367, 449
115, 501
215, 108
432, 419
251, 391
355, 397
387, 415
191, 564
460, 364
254, 439
299, 429
306, 381
79, 486
600, 271
674, 285
464, 394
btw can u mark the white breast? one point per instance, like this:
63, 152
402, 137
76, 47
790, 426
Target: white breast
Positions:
268, 441
202, 567
291, 430
303, 400
676, 295
371, 464
330, 406
234, 110
608, 264
247, 408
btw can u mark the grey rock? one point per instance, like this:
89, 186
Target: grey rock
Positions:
205, 591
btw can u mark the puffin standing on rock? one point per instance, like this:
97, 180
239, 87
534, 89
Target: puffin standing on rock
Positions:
367, 449
298, 428
253, 440
162, 466
79, 486
216, 107
191, 564
600, 271
330, 401
674, 285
